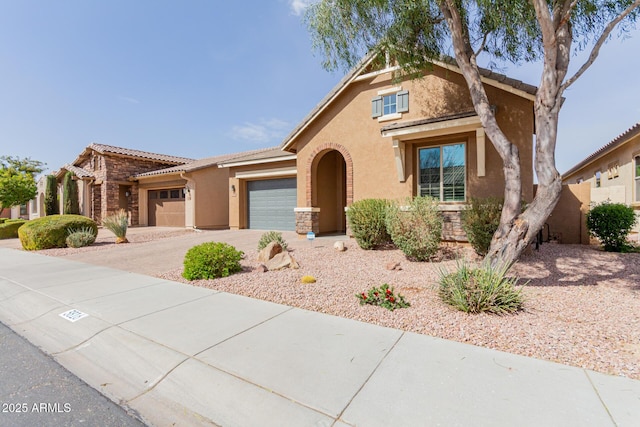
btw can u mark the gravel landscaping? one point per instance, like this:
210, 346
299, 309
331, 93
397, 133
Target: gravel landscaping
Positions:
582, 305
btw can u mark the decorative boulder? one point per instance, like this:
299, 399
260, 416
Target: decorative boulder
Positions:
393, 266
280, 261
269, 251
339, 246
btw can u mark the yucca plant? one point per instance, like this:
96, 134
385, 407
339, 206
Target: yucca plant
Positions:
117, 224
481, 289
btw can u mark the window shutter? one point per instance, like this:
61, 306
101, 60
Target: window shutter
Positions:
376, 107
402, 99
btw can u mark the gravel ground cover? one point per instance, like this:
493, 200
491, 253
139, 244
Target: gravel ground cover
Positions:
582, 305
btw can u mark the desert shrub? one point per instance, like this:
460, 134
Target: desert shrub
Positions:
415, 228
210, 260
80, 237
481, 289
271, 236
9, 229
480, 220
308, 279
51, 231
367, 222
611, 223
383, 297
117, 224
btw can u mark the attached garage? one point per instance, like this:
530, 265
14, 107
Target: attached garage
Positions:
270, 204
166, 207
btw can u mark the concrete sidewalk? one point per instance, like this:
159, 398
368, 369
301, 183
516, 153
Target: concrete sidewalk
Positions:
187, 356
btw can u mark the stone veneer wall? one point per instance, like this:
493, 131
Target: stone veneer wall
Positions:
112, 172
307, 221
452, 227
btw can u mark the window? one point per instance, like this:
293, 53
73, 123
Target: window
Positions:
612, 170
175, 194
636, 165
164, 194
23, 210
598, 176
390, 102
441, 172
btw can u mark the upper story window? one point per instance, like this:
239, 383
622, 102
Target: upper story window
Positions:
442, 172
598, 177
390, 104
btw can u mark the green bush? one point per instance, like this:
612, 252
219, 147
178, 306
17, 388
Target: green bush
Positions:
9, 229
79, 238
210, 260
611, 223
415, 228
271, 236
480, 220
118, 224
481, 289
367, 222
383, 297
51, 231
2, 220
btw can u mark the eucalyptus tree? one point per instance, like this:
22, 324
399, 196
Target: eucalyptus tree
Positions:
417, 32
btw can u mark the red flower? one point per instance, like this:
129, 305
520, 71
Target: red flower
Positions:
388, 291
392, 299
364, 296
375, 293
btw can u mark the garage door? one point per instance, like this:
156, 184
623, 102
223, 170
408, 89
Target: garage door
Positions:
166, 207
270, 204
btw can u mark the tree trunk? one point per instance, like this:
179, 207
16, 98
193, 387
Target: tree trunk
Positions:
517, 230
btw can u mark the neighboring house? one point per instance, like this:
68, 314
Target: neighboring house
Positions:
193, 194
375, 137
103, 173
612, 172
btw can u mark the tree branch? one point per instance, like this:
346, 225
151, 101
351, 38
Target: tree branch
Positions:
482, 45
596, 48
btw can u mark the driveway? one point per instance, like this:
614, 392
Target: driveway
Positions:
162, 254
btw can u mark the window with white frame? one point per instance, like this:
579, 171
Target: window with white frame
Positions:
636, 168
442, 172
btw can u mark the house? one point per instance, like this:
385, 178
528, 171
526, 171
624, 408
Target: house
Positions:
612, 172
375, 137
103, 174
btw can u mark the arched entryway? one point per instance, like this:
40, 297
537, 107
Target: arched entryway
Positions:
329, 191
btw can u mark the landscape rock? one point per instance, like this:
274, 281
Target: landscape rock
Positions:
280, 261
269, 251
339, 246
393, 266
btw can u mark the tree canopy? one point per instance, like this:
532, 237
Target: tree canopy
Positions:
17, 180
414, 34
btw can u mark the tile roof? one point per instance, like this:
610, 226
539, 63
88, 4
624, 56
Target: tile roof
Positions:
79, 172
102, 149
610, 146
262, 153
419, 122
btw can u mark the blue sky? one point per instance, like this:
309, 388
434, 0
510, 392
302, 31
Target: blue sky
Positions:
197, 78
